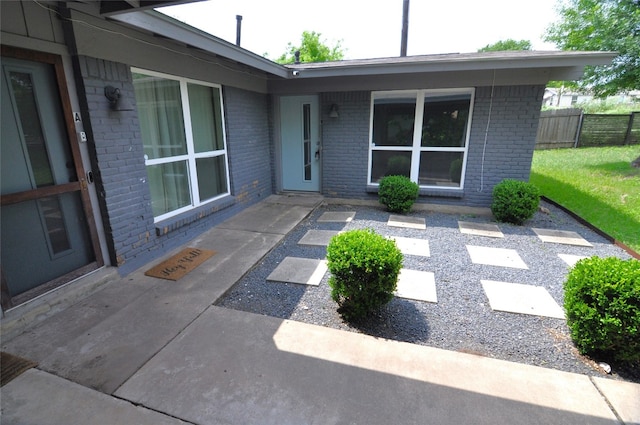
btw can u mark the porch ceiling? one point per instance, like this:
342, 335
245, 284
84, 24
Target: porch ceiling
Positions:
114, 7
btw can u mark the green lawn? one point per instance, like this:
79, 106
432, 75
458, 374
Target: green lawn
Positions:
598, 184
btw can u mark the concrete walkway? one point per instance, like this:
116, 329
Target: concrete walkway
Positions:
149, 351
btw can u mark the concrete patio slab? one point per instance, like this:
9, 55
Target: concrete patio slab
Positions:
570, 259
304, 271
267, 217
623, 396
519, 298
234, 367
336, 217
407, 222
412, 246
417, 285
480, 229
501, 257
561, 236
23, 402
317, 237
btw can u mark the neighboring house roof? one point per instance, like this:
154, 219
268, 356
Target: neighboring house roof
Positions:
559, 65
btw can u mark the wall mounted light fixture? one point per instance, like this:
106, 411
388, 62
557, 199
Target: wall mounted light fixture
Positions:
117, 102
333, 112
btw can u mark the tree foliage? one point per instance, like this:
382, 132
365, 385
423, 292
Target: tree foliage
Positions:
508, 44
602, 25
312, 49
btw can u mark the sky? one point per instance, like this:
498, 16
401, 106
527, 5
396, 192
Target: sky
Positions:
372, 28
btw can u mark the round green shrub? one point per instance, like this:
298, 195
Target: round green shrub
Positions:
397, 193
514, 201
364, 270
602, 305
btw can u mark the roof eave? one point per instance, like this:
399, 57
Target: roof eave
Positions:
166, 26
571, 60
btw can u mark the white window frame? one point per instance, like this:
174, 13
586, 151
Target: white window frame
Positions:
191, 155
420, 95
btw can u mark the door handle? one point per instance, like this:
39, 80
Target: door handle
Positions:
318, 154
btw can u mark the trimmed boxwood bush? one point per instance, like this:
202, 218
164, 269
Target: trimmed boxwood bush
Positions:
514, 201
602, 304
397, 193
364, 270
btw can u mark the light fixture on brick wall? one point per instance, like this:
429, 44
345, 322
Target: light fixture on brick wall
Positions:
333, 112
117, 102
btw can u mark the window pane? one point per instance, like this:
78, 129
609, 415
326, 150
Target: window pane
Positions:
206, 117
390, 163
169, 184
212, 177
393, 121
445, 120
160, 115
440, 168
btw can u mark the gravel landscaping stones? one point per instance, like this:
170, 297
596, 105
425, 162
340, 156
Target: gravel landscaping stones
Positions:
462, 319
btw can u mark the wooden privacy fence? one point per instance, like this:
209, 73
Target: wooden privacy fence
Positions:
568, 128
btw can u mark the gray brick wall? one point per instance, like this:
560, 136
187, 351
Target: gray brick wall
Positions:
515, 111
118, 161
248, 144
510, 141
118, 164
345, 143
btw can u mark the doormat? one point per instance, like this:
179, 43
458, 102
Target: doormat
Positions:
180, 264
13, 366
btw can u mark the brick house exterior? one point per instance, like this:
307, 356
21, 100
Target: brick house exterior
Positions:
94, 52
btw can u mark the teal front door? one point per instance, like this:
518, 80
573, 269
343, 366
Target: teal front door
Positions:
301, 145
44, 231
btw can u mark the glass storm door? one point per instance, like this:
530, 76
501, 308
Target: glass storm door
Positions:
44, 230
301, 149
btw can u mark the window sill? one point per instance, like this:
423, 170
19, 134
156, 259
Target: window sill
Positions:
443, 193
170, 224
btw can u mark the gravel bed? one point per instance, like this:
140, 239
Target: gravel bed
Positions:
462, 319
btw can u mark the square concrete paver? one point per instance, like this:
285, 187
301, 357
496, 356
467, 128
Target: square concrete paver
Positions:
519, 298
571, 259
407, 222
561, 236
317, 237
480, 229
305, 271
337, 217
412, 246
417, 285
496, 257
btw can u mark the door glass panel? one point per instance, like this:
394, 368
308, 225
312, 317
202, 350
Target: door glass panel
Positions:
206, 118
212, 177
306, 124
24, 95
169, 184
54, 225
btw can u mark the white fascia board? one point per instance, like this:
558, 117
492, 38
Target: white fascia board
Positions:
575, 60
161, 24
